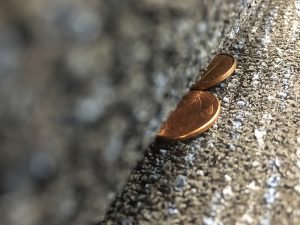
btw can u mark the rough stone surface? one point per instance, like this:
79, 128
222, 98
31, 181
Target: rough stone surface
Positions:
246, 169
82, 84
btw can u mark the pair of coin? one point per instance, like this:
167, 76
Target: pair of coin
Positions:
198, 110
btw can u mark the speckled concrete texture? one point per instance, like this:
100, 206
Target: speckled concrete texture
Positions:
84, 85
246, 169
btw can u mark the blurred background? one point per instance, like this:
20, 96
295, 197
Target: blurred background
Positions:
84, 85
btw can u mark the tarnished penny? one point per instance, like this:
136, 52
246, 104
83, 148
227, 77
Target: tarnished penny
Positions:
196, 113
219, 69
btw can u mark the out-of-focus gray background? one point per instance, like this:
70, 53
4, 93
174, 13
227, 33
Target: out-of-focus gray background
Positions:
84, 85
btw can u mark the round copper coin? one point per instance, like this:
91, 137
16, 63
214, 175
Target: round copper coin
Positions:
219, 69
196, 113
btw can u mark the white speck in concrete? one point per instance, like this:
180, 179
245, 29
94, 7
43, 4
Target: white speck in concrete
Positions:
297, 7
298, 164
271, 193
297, 188
194, 190
279, 51
231, 35
270, 196
200, 172
247, 218
163, 151
190, 158
139, 205
254, 29
267, 116
209, 221
259, 134
287, 74
252, 186
241, 103
277, 162
255, 76
255, 163
227, 192
237, 124
217, 204
266, 40
180, 183
172, 209
240, 117
232, 147
251, 68
273, 181
285, 81
227, 178
282, 94
225, 99
265, 221
236, 29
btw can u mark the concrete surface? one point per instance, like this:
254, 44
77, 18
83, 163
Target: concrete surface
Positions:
82, 84
246, 169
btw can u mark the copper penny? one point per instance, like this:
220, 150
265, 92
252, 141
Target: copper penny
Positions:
219, 69
196, 113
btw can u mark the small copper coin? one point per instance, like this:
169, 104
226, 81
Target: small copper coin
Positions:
219, 69
196, 113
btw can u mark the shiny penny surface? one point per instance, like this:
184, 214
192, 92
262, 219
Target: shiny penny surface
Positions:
196, 113
219, 69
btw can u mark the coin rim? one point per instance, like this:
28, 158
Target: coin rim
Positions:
198, 131
196, 87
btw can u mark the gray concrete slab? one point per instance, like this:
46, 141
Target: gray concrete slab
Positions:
246, 169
